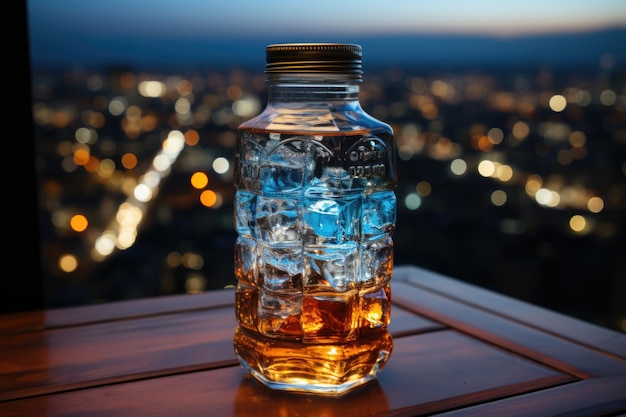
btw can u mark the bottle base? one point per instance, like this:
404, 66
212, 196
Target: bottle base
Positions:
327, 369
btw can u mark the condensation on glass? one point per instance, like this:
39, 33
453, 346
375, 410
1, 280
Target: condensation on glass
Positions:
315, 212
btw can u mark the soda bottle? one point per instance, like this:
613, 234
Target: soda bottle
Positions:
315, 212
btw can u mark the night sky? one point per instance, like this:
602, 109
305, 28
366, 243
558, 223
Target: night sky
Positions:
73, 32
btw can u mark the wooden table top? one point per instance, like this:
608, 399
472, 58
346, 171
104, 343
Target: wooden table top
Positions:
459, 351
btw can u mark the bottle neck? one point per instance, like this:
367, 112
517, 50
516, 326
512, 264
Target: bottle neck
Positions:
311, 88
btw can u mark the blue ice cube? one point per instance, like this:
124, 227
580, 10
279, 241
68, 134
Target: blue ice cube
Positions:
285, 167
281, 178
379, 214
331, 219
245, 208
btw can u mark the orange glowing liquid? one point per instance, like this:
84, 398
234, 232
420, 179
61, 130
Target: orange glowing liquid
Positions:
337, 342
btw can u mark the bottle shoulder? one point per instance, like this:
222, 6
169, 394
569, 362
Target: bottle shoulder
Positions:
316, 117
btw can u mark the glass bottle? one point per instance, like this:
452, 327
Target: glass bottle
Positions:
315, 211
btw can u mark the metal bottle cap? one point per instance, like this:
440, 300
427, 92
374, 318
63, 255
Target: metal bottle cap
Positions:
302, 58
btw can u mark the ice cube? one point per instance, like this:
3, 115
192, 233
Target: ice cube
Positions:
250, 155
277, 221
246, 260
331, 220
245, 209
376, 262
281, 268
334, 267
284, 167
279, 314
379, 214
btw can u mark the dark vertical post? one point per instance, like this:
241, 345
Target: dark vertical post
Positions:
21, 278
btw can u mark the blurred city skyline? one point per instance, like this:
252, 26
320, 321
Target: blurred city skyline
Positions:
512, 168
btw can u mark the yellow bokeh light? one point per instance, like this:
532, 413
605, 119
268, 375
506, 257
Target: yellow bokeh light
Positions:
234, 92
148, 122
195, 284
68, 263
192, 260
504, 172
533, 184
482, 142
152, 88
192, 137
173, 259
184, 87
199, 180
81, 156
521, 130
577, 223
577, 139
458, 166
208, 198
557, 103
595, 204
129, 161
79, 223
498, 198
423, 188
548, 198
486, 168
92, 164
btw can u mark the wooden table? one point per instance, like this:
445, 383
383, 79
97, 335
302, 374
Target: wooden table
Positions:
459, 350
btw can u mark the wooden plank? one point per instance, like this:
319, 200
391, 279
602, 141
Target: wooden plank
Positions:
65, 358
591, 397
527, 341
96, 313
427, 373
590, 335
74, 357
404, 323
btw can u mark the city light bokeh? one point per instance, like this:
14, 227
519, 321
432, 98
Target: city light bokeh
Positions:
496, 172
509, 120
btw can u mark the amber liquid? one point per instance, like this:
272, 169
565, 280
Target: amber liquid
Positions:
347, 343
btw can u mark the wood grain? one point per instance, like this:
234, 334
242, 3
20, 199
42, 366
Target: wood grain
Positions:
592, 336
160, 342
526, 340
459, 351
96, 313
427, 373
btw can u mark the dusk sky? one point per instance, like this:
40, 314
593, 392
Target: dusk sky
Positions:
126, 28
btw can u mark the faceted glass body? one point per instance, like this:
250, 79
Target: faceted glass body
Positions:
315, 213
